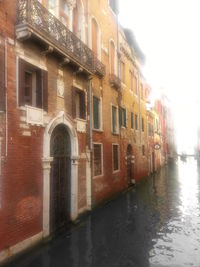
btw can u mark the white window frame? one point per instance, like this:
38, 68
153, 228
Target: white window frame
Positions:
102, 172
117, 119
115, 171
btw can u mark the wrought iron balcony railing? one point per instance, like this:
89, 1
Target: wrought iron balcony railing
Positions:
115, 81
34, 19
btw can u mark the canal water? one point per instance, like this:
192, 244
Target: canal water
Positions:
155, 224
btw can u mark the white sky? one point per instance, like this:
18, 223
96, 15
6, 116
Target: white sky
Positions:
168, 32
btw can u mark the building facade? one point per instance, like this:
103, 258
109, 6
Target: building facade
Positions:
73, 117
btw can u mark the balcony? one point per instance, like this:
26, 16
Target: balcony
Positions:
36, 22
115, 81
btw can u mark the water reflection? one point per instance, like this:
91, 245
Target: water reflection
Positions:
178, 240
155, 224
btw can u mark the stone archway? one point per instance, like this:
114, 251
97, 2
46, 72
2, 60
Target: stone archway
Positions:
60, 120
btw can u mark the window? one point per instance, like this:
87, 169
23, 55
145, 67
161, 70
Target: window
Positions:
96, 113
131, 80
143, 124
136, 121
33, 85
64, 12
122, 72
97, 159
114, 120
132, 126
122, 117
95, 38
112, 57
78, 104
115, 157
143, 150
135, 84
51, 6
150, 130
142, 92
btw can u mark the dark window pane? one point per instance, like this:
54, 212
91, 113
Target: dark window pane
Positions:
114, 119
136, 121
97, 160
115, 158
131, 120
96, 117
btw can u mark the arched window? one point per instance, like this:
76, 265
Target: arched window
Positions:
112, 57
95, 38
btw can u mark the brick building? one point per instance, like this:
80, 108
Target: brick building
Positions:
71, 133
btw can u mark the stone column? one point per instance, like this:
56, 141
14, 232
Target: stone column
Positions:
74, 188
88, 181
46, 162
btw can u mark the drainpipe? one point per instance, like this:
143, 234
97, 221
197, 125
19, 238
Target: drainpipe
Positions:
6, 154
139, 106
90, 193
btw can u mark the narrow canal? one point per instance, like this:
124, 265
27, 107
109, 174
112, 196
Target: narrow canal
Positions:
157, 223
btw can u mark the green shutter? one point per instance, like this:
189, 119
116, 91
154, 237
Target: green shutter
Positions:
96, 121
131, 120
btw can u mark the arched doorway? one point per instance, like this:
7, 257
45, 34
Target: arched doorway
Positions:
60, 192
129, 166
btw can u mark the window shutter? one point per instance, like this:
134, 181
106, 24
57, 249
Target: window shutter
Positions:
82, 105
45, 89
96, 113
21, 82
120, 116
2, 79
124, 117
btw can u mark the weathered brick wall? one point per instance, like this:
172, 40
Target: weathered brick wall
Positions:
22, 173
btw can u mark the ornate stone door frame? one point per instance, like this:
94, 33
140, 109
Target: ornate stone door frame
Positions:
47, 159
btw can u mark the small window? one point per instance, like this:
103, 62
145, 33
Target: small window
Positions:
115, 157
142, 92
136, 121
122, 72
132, 124
95, 34
97, 159
96, 113
33, 85
143, 124
131, 80
143, 150
112, 57
114, 120
122, 117
78, 104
